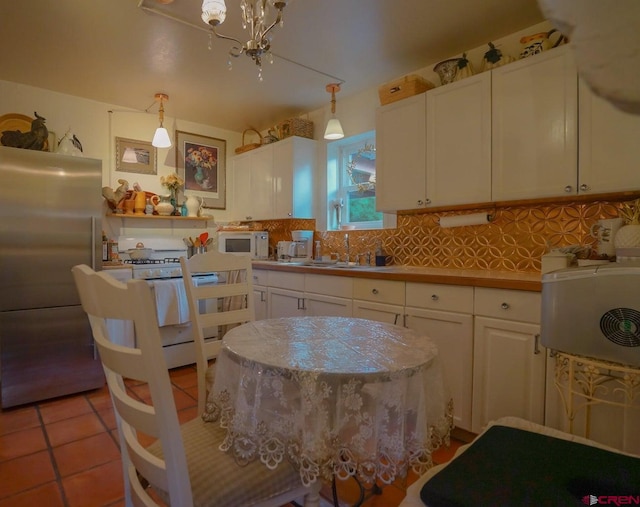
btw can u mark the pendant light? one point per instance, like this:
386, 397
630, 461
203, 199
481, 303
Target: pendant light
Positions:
334, 129
161, 138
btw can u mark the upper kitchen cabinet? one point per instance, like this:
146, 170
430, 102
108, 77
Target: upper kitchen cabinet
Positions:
459, 142
434, 149
294, 167
253, 184
534, 138
400, 154
609, 146
275, 181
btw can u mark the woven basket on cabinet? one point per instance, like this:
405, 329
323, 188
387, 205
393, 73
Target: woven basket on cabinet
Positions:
249, 146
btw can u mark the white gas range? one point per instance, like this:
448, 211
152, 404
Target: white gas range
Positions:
163, 272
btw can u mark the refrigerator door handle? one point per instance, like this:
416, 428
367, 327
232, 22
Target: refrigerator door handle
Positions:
93, 243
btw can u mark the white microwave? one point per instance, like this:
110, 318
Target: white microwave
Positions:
254, 243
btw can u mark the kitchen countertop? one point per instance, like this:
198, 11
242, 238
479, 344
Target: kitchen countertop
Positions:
471, 277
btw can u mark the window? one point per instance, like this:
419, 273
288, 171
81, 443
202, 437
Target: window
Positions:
351, 178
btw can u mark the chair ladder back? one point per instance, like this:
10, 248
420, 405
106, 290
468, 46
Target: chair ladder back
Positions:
102, 297
235, 290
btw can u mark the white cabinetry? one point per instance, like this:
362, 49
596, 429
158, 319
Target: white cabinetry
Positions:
380, 300
326, 295
298, 295
253, 184
508, 362
294, 163
285, 294
609, 145
444, 314
260, 295
534, 138
275, 181
400, 154
459, 142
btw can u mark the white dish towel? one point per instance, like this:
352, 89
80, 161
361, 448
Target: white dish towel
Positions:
171, 302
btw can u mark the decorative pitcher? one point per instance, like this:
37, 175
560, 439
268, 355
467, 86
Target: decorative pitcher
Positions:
140, 201
194, 204
539, 42
162, 204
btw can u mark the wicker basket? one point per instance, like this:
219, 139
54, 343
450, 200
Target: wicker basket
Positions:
250, 146
295, 127
403, 88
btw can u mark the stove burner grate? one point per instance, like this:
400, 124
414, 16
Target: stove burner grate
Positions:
168, 260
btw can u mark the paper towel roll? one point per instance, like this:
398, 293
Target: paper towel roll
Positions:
461, 220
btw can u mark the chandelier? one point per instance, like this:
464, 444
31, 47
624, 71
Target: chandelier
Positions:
255, 19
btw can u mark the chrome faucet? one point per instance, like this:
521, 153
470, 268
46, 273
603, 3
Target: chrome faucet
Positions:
346, 246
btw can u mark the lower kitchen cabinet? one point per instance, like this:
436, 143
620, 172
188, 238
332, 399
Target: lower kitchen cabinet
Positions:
260, 301
379, 300
487, 339
297, 295
508, 362
445, 314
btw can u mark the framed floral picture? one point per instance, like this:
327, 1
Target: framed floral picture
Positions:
201, 162
135, 156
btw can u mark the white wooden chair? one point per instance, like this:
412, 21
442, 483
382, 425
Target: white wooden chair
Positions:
184, 466
234, 292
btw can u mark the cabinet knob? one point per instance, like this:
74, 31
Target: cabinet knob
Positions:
584, 187
505, 306
420, 202
434, 297
289, 214
568, 189
248, 218
427, 201
374, 291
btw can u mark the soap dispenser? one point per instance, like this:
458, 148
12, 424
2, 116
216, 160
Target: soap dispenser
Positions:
318, 252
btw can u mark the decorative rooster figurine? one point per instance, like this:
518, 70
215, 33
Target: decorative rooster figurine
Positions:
36, 139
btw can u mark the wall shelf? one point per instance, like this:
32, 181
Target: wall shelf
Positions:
158, 217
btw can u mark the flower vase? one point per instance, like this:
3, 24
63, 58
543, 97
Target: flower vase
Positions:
173, 201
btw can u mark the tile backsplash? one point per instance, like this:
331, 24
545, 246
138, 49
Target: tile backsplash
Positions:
514, 240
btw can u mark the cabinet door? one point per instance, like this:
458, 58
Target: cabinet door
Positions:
459, 142
453, 334
319, 305
294, 163
508, 372
380, 312
285, 303
609, 146
400, 154
262, 186
260, 302
242, 202
534, 105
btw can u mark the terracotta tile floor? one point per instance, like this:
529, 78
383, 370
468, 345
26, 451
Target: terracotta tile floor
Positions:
64, 452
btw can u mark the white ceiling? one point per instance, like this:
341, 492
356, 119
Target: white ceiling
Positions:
119, 52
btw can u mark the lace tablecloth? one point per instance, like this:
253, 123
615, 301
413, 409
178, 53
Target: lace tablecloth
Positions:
336, 396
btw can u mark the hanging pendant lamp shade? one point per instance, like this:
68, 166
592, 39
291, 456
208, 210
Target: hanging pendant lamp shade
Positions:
161, 137
334, 129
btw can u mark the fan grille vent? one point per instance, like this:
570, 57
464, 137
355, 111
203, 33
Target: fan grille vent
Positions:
621, 326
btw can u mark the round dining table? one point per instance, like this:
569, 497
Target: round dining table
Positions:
338, 397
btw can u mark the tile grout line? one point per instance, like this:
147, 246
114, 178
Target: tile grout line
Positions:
52, 459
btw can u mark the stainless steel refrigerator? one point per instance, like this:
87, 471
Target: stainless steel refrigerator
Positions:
50, 220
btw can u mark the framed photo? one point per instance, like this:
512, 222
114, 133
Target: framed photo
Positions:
135, 156
201, 162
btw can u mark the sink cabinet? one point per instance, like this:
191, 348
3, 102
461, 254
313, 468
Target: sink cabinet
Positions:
260, 301
298, 294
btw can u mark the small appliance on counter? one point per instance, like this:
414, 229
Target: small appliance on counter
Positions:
302, 245
254, 243
593, 311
